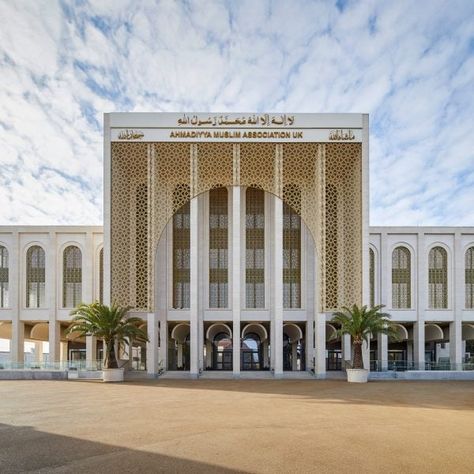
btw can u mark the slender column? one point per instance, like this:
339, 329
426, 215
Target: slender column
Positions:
236, 297
17, 346
265, 354
419, 345
194, 288
455, 344
346, 349
294, 356
277, 326
91, 351
382, 351
152, 344
179, 362
54, 329
366, 355
208, 354
163, 351
320, 329
63, 352
38, 352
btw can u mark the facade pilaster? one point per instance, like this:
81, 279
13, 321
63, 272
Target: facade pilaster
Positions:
456, 352
422, 303
54, 337
152, 352
236, 279
52, 300
194, 287
277, 322
320, 360
17, 346
419, 345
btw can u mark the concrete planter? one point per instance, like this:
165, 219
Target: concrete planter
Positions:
112, 375
357, 375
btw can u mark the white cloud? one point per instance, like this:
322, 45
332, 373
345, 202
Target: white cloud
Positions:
409, 64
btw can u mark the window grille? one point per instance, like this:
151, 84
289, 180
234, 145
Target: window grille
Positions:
372, 277
438, 278
291, 258
101, 276
72, 276
469, 277
3, 277
331, 247
255, 248
35, 277
181, 254
401, 278
218, 248
141, 245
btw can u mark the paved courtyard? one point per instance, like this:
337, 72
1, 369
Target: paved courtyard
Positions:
236, 426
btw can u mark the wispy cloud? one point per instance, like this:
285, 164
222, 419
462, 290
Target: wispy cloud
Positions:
409, 64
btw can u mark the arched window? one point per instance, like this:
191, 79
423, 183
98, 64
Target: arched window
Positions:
401, 278
292, 251
255, 248
101, 276
469, 278
3, 277
372, 277
218, 248
35, 277
72, 276
438, 278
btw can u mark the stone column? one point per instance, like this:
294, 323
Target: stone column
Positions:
163, 351
194, 288
320, 330
54, 328
152, 344
294, 356
277, 326
209, 353
91, 352
265, 353
38, 352
382, 351
63, 352
419, 345
455, 344
346, 349
17, 346
236, 276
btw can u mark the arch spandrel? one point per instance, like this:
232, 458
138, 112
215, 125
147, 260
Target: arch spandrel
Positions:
297, 173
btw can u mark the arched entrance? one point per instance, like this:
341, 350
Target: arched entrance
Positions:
219, 347
254, 347
293, 347
178, 347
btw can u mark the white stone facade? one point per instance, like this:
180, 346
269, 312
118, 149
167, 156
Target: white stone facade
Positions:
429, 336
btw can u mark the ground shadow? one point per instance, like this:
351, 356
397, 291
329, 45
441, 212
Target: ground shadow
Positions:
23, 448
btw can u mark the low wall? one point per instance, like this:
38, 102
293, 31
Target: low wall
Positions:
25, 374
437, 375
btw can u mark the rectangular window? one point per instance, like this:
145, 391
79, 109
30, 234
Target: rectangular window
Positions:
291, 258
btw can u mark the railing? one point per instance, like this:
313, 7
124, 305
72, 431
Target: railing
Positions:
64, 365
404, 365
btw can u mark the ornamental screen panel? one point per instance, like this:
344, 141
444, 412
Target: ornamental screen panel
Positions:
72, 276
372, 277
254, 248
291, 256
469, 278
438, 278
35, 277
181, 253
4, 277
218, 248
401, 278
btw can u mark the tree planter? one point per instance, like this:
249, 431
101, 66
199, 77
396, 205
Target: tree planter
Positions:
357, 375
112, 375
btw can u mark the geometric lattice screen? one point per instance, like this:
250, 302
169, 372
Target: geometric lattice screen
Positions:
321, 182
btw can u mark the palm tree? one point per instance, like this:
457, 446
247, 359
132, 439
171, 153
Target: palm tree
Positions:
109, 323
361, 324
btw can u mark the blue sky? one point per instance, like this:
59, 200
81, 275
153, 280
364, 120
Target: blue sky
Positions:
410, 65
